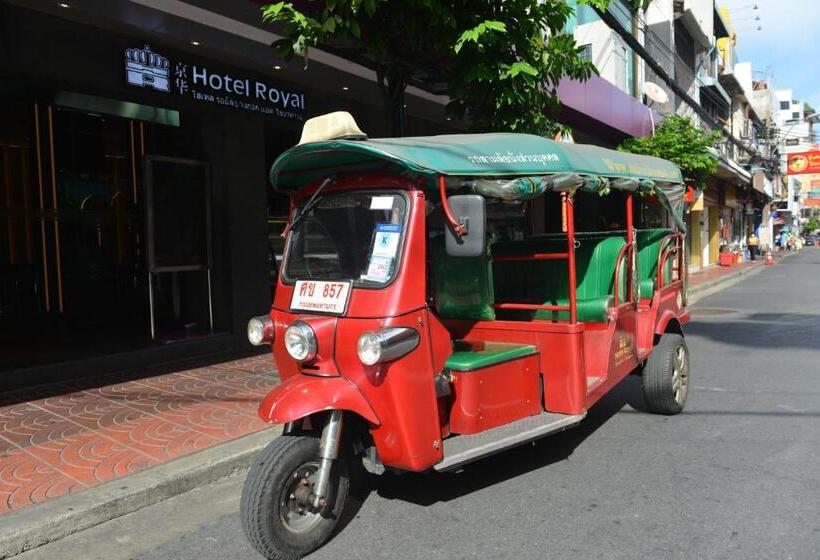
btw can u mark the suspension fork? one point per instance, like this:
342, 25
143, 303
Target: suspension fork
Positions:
328, 452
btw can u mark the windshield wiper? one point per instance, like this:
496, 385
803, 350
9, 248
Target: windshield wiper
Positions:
312, 201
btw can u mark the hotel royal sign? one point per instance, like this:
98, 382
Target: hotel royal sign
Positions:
146, 68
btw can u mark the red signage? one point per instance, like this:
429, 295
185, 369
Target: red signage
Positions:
803, 162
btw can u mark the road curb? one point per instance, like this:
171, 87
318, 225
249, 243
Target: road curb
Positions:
56, 519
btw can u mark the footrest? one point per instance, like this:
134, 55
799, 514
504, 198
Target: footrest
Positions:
460, 450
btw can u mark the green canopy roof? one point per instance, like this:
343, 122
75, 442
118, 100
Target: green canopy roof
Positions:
466, 155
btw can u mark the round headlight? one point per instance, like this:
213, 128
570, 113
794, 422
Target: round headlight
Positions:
369, 348
260, 330
300, 341
386, 344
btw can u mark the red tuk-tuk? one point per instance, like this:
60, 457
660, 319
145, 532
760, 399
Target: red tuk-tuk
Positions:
445, 298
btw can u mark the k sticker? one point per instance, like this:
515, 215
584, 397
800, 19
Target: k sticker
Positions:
387, 240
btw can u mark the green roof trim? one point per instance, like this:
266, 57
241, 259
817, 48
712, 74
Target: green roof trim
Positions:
530, 165
464, 155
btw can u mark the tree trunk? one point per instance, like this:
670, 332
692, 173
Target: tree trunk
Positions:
392, 83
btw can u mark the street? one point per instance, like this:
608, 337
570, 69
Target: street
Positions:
734, 476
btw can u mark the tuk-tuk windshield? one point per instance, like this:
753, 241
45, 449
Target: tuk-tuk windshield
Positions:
353, 236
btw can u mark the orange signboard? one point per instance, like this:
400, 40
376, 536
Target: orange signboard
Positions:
803, 162
811, 202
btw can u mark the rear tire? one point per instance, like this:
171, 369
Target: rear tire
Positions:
665, 381
270, 517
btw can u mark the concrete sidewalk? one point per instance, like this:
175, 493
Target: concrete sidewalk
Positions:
77, 454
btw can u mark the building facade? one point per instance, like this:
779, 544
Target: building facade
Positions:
137, 225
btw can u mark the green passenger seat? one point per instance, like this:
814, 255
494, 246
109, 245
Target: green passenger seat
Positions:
472, 355
463, 286
547, 282
648, 241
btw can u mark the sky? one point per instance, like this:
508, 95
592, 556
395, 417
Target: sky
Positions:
786, 49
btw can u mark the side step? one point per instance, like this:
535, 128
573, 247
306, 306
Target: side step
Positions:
460, 450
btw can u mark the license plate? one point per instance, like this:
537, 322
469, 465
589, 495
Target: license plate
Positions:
321, 297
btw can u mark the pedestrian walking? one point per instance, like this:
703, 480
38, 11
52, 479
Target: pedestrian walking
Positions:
753, 243
784, 240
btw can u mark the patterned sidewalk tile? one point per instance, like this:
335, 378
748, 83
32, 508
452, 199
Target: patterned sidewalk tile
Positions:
59, 439
25, 480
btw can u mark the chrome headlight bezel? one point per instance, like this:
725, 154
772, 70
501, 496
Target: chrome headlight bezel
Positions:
300, 342
260, 330
385, 345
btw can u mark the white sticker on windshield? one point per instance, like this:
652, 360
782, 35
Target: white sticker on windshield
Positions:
379, 269
386, 243
381, 203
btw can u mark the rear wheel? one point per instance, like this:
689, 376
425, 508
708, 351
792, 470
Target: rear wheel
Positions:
666, 375
277, 516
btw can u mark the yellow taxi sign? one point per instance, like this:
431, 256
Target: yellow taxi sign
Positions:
339, 125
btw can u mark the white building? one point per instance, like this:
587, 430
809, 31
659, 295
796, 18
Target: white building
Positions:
795, 122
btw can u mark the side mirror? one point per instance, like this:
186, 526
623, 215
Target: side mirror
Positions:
469, 211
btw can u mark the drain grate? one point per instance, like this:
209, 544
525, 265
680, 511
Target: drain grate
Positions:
706, 311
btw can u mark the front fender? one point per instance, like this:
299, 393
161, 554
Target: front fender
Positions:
668, 317
302, 395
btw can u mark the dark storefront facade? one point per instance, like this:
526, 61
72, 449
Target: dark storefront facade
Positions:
136, 223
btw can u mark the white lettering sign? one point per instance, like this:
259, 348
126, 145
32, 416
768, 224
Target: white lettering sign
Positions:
145, 68
319, 296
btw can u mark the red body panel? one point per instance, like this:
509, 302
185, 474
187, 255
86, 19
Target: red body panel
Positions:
495, 395
402, 393
560, 346
304, 395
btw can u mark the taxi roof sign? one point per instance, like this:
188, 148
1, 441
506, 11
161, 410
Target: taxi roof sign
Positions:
339, 125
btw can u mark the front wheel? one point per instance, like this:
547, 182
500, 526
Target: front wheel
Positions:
666, 375
276, 513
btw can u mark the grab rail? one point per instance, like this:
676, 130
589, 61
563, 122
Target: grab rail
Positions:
531, 307
630, 249
531, 257
664, 252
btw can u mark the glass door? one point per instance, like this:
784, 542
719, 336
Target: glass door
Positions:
178, 219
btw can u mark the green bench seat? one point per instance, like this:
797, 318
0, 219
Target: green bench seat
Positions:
648, 241
463, 286
472, 355
546, 282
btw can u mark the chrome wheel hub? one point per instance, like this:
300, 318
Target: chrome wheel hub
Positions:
295, 511
680, 375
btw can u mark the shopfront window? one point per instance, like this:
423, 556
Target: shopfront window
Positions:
74, 274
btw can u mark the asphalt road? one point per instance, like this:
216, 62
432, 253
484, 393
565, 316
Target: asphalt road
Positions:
735, 476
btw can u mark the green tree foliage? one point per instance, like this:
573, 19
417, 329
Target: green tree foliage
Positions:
811, 225
500, 61
682, 143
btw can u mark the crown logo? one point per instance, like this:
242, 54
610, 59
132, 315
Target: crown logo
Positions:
145, 68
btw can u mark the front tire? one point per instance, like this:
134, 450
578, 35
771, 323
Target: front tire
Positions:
665, 381
276, 523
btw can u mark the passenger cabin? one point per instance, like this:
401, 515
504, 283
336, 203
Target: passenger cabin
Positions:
582, 263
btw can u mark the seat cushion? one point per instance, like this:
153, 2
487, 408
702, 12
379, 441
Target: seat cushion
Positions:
472, 355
